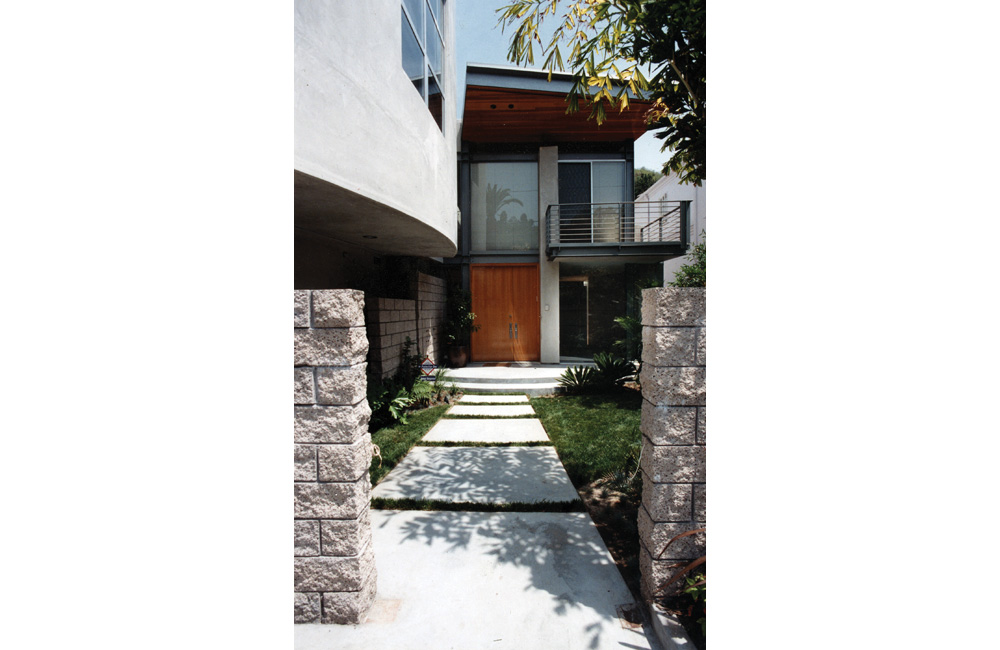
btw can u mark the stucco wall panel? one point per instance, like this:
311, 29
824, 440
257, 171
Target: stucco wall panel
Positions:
359, 122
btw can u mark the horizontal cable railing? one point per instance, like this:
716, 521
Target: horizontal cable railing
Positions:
617, 223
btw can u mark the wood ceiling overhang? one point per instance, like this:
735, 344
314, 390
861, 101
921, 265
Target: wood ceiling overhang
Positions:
494, 114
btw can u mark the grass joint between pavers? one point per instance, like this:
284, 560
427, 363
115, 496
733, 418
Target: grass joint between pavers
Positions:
383, 503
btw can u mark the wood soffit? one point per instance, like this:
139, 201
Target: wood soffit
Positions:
505, 115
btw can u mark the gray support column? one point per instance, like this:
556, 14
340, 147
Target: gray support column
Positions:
334, 559
548, 194
673, 433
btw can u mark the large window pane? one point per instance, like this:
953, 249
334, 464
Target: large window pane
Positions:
413, 58
416, 10
592, 296
609, 182
435, 100
609, 187
504, 206
434, 47
436, 6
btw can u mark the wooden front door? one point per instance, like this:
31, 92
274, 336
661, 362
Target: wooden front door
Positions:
505, 302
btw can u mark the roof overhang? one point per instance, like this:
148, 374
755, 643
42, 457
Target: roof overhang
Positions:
504, 104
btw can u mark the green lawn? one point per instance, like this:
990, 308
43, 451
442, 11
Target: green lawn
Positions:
395, 441
593, 434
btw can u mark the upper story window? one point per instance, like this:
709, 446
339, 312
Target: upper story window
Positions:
423, 52
504, 205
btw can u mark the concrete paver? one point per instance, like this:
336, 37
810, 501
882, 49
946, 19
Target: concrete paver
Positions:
511, 430
479, 475
492, 410
492, 399
474, 580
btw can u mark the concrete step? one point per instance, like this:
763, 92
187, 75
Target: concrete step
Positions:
534, 389
492, 410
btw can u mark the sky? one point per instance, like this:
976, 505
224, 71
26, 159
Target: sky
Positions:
480, 40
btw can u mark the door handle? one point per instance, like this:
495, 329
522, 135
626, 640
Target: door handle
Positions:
515, 330
508, 331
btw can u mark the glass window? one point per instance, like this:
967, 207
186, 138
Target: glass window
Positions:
413, 58
504, 206
609, 182
422, 52
434, 101
416, 11
436, 6
433, 48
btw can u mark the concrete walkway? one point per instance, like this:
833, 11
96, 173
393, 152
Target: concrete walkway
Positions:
471, 580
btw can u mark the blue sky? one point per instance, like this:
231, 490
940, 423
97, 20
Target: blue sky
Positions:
479, 40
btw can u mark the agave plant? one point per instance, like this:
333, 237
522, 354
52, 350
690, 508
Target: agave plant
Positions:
579, 379
612, 370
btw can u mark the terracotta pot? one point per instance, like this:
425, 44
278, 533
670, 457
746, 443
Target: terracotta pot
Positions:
458, 356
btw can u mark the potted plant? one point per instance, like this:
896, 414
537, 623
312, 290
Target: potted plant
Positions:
459, 328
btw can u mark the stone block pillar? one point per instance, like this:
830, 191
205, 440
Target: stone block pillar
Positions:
334, 559
673, 432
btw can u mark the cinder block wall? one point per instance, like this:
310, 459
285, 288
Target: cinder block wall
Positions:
431, 313
390, 321
673, 432
334, 561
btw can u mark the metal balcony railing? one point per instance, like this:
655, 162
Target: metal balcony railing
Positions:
600, 225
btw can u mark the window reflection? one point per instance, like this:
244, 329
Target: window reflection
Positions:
504, 206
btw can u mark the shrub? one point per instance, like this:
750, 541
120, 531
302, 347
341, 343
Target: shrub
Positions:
612, 370
610, 373
692, 275
579, 379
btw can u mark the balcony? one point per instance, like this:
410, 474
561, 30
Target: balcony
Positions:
647, 229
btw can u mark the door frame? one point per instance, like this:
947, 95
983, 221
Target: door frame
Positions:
538, 288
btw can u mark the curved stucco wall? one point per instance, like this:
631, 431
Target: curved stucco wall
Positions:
359, 122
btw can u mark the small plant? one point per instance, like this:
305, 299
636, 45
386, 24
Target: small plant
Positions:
693, 275
422, 393
579, 379
696, 590
409, 366
610, 373
460, 323
442, 385
399, 404
611, 370
694, 584
625, 478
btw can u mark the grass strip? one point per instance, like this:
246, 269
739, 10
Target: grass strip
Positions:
594, 435
380, 503
451, 443
395, 441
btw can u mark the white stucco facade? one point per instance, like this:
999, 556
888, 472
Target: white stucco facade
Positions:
370, 160
669, 188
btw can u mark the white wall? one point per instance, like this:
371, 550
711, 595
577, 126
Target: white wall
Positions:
669, 189
548, 194
359, 122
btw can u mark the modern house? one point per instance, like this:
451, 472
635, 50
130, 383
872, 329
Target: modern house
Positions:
551, 245
376, 204
667, 189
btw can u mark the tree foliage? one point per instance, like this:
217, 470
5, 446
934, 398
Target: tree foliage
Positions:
610, 42
642, 180
692, 275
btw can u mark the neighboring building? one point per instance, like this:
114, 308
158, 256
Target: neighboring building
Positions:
669, 188
376, 204
550, 245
